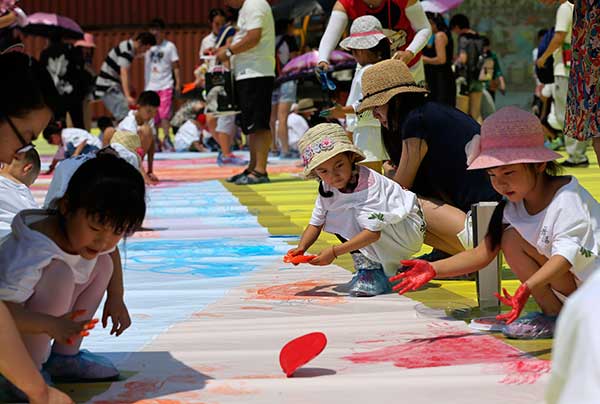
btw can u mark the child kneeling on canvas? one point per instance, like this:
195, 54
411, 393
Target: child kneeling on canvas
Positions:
56, 265
378, 222
547, 225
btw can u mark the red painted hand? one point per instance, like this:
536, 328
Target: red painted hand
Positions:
517, 302
420, 273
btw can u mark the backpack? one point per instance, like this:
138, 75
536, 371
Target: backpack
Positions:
545, 74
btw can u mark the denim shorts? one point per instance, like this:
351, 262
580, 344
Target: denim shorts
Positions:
285, 93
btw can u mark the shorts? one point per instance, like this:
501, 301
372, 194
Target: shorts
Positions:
166, 102
254, 100
87, 149
465, 236
226, 124
285, 93
116, 103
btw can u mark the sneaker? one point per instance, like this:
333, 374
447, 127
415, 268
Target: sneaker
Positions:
274, 153
236, 177
253, 178
368, 283
568, 163
83, 367
18, 395
230, 161
533, 326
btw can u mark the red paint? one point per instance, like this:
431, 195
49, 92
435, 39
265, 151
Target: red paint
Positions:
310, 290
266, 308
526, 371
370, 341
453, 349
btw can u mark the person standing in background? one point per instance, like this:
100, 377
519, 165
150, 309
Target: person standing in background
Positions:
438, 62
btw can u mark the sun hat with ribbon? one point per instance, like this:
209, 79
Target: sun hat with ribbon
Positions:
365, 33
305, 105
384, 80
131, 141
323, 142
509, 136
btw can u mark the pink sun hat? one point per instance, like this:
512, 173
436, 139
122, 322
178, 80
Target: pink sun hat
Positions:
509, 136
87, 41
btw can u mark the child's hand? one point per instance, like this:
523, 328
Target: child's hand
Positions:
65, 329
419, 274
336, 112
115, 309
295, 251
517, 302
325, 257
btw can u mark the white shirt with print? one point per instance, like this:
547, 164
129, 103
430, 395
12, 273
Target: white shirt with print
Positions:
186, 135
564, 23
77, 136
159, 66
129, 123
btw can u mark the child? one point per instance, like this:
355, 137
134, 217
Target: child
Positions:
189, 136
298, 122
547, 225
70, 141
369, 45
378, 222
15, 180
57, 264
104, 122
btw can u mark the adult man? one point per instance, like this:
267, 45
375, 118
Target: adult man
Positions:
112, 84
252, 56
162, 65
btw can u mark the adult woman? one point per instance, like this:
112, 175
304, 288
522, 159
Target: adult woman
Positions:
404, 20
438, 62
23, 115
216, 18
427, 141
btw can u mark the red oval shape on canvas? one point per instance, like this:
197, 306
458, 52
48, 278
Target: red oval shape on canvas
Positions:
300, 351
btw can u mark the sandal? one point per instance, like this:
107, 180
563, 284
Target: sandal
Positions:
252, 178
236, 177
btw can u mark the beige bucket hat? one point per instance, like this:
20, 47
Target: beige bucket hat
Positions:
384, 80
323, 142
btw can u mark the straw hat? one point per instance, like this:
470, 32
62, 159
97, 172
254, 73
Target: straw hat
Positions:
384, 80
131, 141
365, 33
87, 41
305, 105
323, 142
509, 136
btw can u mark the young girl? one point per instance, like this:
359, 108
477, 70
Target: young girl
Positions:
55, 267
546, 226
368, 45
378, 222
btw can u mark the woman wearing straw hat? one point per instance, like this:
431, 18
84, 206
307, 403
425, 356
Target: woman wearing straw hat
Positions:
378, 222
405, 23
427, 141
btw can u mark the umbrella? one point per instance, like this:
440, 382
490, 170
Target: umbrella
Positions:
440, 6
47, 24
307, 62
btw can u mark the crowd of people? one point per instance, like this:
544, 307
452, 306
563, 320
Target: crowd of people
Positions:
398, 166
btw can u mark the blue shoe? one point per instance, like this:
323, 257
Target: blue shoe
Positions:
83, 367
368, 283
532, 326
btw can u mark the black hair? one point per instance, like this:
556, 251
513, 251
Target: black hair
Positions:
382, 49
150, 98
216, 12
110, 190
104, 122
32, 157
438, 20
53, 128
461, 21
398, 107
26, 86
281, 26
485, 40
496, 227
541, 33
146, 38
157, 23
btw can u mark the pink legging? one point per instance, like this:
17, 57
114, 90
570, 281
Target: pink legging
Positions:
57, 294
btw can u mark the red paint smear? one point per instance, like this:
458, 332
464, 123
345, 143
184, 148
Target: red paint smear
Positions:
525, 371
446, 350
227, 390
135, 391
304, 290
370, 341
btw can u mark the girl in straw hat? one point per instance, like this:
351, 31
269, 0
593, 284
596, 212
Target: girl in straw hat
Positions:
369, 45
378, 222
426, 140
547, 226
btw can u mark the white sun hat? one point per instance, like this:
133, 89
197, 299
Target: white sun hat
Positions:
365, 33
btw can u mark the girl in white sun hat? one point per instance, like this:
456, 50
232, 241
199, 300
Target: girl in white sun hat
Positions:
378, 222
368, 45
547, 226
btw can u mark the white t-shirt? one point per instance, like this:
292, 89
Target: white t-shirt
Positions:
159, 66
354, 99
208, 42
297, 127
260, 60
25, 253
187, 133
564, 23
569, 226
575, 376
77, 136
14, 197
129, 123
377, 204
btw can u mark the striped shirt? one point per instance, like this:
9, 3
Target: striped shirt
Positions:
110, 73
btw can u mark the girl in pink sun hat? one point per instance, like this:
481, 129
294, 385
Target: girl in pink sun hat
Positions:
547, 225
